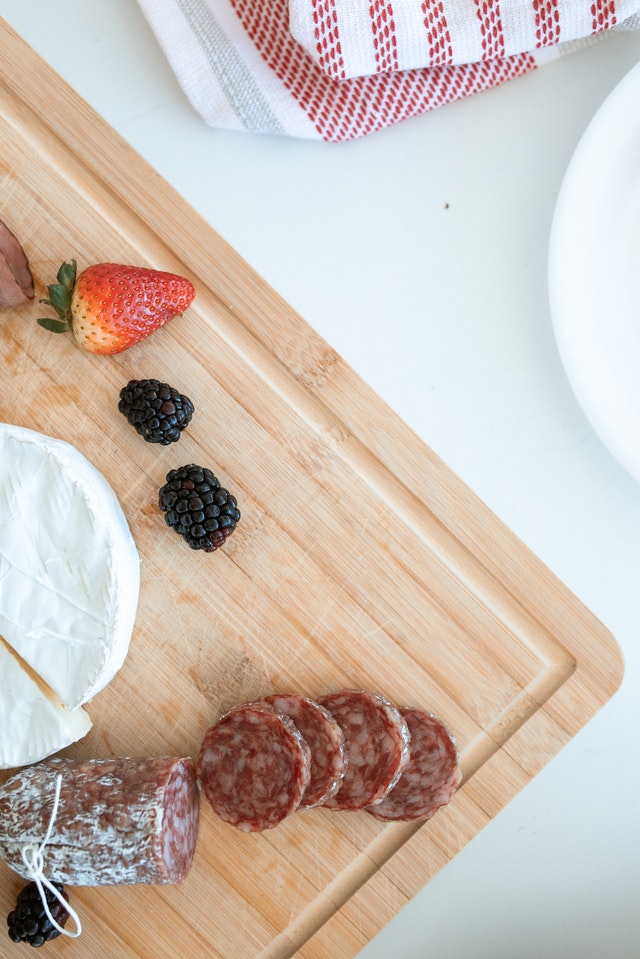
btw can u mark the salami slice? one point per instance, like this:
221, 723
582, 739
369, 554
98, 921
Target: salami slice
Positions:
431, 776
119, 821
16, 282
254, 767
377, 744
326, 742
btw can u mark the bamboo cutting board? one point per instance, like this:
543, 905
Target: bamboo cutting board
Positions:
360, 560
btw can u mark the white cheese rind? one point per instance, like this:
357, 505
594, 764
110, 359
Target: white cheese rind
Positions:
33, 724
69, 568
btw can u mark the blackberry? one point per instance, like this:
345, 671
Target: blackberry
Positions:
158, 412
198, 508
28, 922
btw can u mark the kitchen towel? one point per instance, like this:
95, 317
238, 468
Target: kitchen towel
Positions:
335, 70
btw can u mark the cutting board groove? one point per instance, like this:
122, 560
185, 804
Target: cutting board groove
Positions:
361, 560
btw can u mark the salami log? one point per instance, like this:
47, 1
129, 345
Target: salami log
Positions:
377, 743
118, 821
254, 766
16, 282
431, 776
325, 740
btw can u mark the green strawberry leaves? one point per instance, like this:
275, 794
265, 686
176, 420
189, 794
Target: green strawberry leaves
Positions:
60, 299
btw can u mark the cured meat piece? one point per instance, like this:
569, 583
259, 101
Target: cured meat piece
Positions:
431, 776
118, 820
254, 767
11, 293
326, 742
16, 282
377, 742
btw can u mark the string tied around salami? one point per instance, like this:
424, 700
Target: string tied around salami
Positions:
33, 859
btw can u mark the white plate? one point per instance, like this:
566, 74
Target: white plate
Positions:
594, 272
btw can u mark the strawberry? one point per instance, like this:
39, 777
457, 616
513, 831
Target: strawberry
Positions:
109, 307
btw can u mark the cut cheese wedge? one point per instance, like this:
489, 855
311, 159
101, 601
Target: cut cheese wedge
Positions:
33, 722
69, 568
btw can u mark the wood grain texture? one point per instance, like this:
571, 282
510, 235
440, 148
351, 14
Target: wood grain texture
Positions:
360, 561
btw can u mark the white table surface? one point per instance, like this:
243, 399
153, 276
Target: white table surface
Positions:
420, 254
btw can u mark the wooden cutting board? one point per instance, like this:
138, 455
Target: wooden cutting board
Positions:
360, 560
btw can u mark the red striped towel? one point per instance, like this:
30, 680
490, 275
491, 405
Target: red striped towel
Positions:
340, 69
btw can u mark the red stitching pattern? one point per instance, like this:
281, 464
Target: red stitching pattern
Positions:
603, 14
383, 27
488, 12
438, 35
344, 110
547, 19
327, 37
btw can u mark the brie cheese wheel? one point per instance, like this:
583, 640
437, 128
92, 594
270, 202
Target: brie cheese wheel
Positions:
33, 722
69, 568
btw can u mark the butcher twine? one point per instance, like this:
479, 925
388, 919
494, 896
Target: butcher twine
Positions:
335, 70
33, 858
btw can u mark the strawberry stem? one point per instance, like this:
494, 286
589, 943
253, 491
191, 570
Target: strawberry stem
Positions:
60, 299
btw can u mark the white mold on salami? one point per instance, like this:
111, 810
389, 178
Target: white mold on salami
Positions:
431, 776
377, 747
254, 767
325, 740
119, 821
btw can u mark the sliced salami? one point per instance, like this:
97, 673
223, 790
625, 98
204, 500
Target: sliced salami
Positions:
431, 776
119, 821
254, 767
325, 740
16, 282
377, 747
